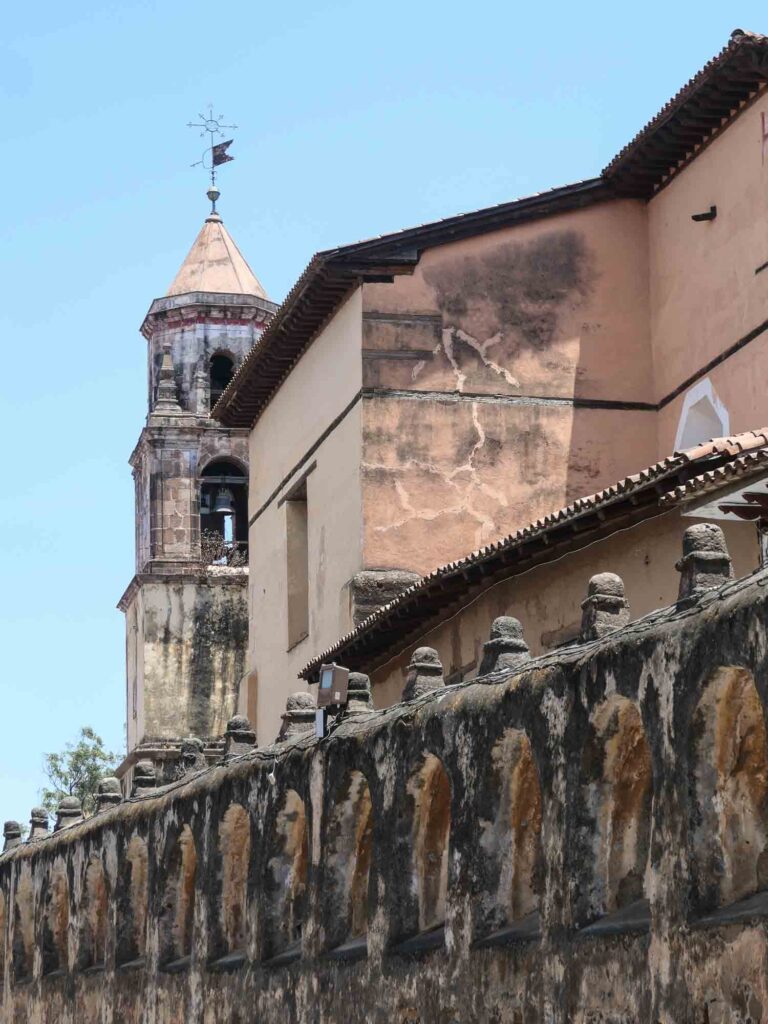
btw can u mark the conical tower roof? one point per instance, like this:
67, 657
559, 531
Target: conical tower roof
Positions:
215, 264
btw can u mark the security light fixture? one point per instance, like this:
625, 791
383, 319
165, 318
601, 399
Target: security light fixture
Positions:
334, 680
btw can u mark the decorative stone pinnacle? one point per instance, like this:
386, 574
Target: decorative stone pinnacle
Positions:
425, 673
192, 756
506, 648
299, 716
110, 793
239, 737
167, 400
38, 822
359, 697
12, 835
68, 813
144, 778
605, 607
706, 562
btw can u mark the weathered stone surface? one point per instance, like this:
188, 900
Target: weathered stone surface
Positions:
299, 716
69, 812
506, 648
239, 737
144, 778
38, 823
372, 588
705, 563
425, 673
110, 793
546, 848
605, 607
11, 835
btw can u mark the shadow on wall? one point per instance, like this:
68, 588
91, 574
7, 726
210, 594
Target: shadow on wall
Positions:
729, 786
177, 914
617, 788
286, 881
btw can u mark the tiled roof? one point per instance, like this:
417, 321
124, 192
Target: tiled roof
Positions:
683, 125
716, 479
631, 500
330, 276
215, 264
692, 116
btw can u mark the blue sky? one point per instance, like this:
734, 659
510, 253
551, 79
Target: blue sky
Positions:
355, 119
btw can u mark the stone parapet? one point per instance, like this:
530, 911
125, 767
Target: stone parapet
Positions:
536, 846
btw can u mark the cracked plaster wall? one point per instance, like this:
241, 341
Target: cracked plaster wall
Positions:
474, 363
677, 966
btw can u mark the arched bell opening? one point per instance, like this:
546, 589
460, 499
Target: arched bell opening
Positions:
224, 514
221, 370
728, 783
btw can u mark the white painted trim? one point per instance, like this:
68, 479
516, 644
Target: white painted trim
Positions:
702, 389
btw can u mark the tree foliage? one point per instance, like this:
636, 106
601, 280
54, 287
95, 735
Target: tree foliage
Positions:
77, 771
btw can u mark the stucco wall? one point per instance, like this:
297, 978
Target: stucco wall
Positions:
304, 412
705, 294
546, 599
188, 653
623, 779
474, 363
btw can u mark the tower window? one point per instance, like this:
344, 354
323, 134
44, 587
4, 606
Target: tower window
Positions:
221, 371
224, 514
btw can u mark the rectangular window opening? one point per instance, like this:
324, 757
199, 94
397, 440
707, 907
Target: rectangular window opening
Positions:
297, 564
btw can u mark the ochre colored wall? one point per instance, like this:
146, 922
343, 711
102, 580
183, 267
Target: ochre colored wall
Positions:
320, 387
475, 362
547, 599
705, 294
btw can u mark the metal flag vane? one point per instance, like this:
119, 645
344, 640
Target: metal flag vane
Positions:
216, 154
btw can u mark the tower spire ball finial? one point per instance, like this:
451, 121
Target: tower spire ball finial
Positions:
216, 154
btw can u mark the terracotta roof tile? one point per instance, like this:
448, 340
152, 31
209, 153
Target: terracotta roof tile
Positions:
415, 599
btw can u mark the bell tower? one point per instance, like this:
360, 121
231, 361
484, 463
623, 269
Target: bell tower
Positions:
186, 607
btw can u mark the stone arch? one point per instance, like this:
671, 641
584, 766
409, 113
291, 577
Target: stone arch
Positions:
287, 876
178, 906
132, 903
93, 914
618, 779
513, 840
347, 858
430, 790
729, 788
56, 921
23, 927
235, 846
221, 370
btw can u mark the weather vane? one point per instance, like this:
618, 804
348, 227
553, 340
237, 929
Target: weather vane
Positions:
216, 154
